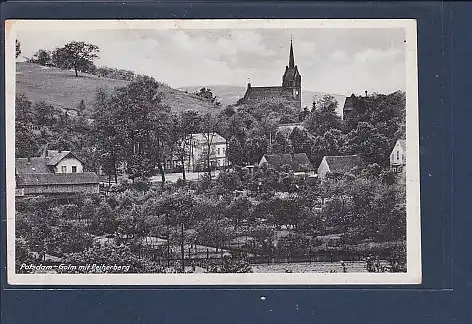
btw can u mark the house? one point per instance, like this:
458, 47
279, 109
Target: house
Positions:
298, 163
338, 165
398, 156
290, 90
54, 172
200, 146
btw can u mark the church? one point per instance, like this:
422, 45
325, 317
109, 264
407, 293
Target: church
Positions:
291, 89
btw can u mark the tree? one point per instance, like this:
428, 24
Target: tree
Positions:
282, 145
137, 126
26, 138
41, 57
182, 126
106, 138
209, 129
206, 94
323, 116
256, 147
301, 141
369, 143
17, 48
76, 55
235, 152
81, 107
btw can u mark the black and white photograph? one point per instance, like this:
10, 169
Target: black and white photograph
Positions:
212, 152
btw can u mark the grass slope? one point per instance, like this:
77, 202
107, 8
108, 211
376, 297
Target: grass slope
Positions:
62, 89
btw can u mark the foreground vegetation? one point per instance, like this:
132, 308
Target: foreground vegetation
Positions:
268, 215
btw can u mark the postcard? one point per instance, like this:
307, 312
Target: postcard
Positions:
212, 152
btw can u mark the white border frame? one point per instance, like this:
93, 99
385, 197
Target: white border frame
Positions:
413, 274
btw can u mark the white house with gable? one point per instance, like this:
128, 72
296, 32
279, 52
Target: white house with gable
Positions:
200, 145
398, 155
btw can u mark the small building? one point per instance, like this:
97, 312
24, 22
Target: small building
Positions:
298, 163
200, 146
195, 155
338, 165
54, 172
398, 156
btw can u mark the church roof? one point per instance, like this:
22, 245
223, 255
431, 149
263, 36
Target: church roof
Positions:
256, 92
291, 60
291, 73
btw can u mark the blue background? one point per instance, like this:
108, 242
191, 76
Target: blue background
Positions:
445, 51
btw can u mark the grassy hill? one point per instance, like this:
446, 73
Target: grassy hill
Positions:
230, 94
62, 89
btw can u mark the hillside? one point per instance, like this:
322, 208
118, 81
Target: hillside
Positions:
230, 94
62, 89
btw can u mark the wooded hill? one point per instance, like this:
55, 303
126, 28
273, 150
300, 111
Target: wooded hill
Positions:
63, 90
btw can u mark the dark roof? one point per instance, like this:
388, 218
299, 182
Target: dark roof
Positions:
32, 165
343, 163
290, 73
255, 92
296, 162
39, 179
287, 129
349, 103
55, 159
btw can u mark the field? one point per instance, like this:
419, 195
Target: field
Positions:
62, 89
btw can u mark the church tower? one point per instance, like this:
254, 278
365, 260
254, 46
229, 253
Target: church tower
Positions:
292, 80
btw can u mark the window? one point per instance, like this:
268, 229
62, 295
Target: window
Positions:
74, 169
398, 155
218, 151
224, 151
63, 169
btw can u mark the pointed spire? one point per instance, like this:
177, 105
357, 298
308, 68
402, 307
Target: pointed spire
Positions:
291, 61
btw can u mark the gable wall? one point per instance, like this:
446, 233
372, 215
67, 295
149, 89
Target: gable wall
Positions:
323, 169
68, 163
397, 156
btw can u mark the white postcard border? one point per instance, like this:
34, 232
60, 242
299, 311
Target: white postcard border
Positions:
414, 270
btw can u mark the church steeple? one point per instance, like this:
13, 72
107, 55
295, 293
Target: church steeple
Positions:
291, 60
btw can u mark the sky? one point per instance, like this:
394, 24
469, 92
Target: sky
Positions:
338, 61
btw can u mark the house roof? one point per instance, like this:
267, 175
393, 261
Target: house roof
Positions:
214, 137
287, 129
343, 163
296, 162
40, 179
54, 157
31, 165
